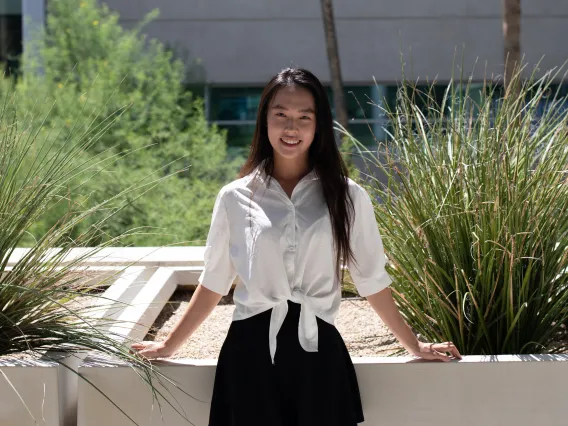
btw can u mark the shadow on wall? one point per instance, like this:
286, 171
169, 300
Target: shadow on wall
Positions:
195, 73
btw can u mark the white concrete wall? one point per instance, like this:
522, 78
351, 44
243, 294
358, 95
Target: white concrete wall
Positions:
478, 391
29, 393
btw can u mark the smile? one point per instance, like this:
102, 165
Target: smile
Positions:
289, 141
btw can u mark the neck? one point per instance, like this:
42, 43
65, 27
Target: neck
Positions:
290, 170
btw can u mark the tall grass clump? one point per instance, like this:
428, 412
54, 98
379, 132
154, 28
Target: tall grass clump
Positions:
43, 168
473, 209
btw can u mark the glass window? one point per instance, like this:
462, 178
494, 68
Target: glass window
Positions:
10, 35
239, 135
241, 103
427, 97
359, 102
390, 96
362, 133
234, 103
369, 120
369, 134
556, 96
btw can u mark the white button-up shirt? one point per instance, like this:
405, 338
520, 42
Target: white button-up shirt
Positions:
282, 249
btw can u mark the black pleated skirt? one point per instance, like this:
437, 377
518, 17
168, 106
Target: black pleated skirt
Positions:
300, 389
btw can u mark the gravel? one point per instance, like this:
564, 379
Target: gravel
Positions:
361, 328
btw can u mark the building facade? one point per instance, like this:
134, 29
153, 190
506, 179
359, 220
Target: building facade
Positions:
232, 47
240, 44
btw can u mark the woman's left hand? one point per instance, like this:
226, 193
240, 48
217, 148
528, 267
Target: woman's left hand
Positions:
437, 351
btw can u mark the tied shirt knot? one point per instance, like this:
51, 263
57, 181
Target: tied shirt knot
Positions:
307, 327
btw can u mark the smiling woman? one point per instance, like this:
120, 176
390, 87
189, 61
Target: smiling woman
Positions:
286, 228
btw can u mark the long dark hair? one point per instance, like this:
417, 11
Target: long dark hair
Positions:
323, 156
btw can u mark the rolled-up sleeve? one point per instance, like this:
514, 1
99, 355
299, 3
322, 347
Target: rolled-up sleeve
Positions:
219, 272
368, 272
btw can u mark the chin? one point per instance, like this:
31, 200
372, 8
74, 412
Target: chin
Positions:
289, 156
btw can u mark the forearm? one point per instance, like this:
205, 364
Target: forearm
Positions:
384, 305
200, 306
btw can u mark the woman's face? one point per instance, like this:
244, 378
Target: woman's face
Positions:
291, 121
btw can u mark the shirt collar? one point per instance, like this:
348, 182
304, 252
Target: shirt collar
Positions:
260, 175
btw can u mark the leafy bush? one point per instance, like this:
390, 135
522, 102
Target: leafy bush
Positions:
474, 216
94, 67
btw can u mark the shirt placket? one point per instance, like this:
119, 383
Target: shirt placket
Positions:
290, 255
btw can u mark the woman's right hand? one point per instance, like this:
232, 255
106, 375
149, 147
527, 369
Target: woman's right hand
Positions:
152, 350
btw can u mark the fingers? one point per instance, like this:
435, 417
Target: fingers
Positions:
445, 352
137, 348
455, 352
448, 347
142, 349
441, 356
146, 350
147, 354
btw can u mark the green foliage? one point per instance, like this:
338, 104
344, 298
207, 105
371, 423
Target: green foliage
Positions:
36, 287
94, 67
46, 301
347, 148
474, 217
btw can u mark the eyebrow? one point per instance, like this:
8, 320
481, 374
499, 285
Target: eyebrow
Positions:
308, 110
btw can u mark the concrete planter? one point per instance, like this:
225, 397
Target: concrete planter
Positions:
34, 384
48, 389
489, 391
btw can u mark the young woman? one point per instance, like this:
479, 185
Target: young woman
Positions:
285, 228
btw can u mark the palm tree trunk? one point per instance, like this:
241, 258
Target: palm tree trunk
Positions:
512, 43
334, 63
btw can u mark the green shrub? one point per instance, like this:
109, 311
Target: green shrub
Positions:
474, 216
94, 67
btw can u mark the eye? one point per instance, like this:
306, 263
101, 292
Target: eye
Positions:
280, 114
305, 117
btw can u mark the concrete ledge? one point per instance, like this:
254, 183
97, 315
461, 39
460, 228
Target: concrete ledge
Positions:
489, 391
124, 256
121, 293
136, 319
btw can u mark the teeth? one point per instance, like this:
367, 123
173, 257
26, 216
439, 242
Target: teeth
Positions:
291, 141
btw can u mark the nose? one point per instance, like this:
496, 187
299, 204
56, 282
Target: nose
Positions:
291, 125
